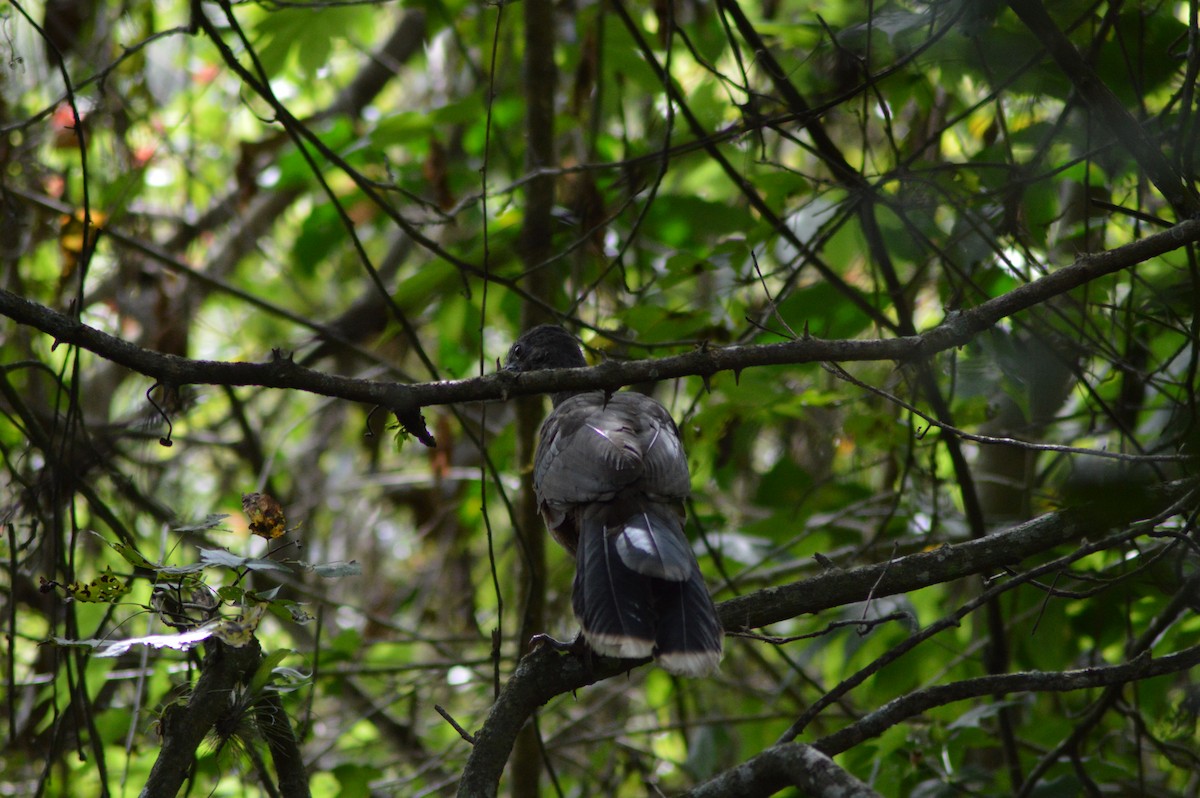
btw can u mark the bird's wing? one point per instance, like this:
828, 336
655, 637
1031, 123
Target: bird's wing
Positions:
593, 448
665, 473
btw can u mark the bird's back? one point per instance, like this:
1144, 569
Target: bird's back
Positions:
595, 448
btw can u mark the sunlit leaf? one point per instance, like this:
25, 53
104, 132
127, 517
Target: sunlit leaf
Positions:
337, 569
104, 589
115, 648
210, 522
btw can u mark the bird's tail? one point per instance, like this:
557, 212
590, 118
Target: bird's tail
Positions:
689, 636
638, 589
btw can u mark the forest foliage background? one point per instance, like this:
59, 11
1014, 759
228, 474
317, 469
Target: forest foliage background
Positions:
917, 280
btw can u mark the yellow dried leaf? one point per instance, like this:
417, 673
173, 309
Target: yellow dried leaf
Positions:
265, 514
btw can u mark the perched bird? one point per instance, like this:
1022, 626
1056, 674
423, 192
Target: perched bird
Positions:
611, 477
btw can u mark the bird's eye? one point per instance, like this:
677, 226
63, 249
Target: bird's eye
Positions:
517, 350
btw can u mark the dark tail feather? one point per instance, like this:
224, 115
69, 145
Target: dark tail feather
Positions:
689, 640
639, 592
611, 601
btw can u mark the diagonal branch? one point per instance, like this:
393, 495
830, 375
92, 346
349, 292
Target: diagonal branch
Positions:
781, 766
835, 587
958, 329
918, 701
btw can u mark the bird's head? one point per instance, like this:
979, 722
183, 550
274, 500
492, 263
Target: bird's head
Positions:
547, 346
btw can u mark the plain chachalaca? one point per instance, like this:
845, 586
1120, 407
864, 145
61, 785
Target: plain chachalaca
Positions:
611, 477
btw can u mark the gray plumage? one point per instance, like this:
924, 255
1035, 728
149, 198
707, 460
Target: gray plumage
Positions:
611, 477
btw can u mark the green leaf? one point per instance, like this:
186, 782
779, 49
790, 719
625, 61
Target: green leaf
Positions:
406, 127
179, 570
227, 559
295, 170
335, 570
320, 233
104, 589
308, 34
211, 521
128, 553
266, 669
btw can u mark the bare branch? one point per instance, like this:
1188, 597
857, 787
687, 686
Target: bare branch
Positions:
786, 765
958, 329
916, 702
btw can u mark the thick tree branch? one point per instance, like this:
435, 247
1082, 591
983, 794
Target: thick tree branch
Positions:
539, 676
184, 728
782, 766
406, 39
834, 587
284, 748
958, 329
